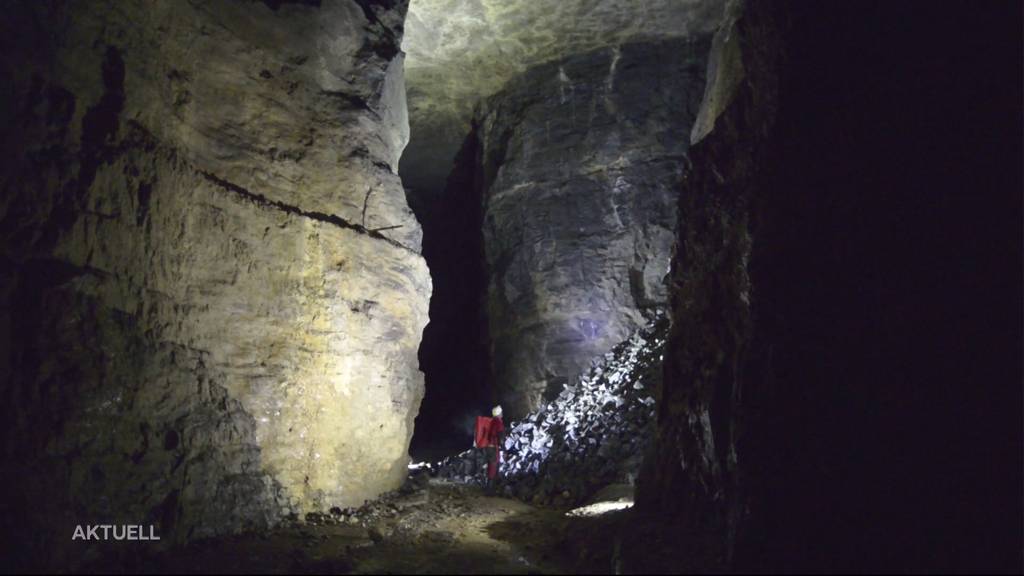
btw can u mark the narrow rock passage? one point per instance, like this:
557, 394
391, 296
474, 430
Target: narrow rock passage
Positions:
431, 527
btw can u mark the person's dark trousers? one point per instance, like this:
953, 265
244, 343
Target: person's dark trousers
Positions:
490, 479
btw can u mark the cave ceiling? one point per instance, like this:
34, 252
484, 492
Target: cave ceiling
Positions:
459, 51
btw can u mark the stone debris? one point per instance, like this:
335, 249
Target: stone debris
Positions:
592, 435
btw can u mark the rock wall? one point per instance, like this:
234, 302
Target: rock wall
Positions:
581, 161
834, 397
212, 288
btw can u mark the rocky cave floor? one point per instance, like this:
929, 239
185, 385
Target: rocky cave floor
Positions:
430, 526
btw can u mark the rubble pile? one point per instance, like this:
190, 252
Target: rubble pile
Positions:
592, 435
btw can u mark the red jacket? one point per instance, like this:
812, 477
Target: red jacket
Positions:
494, 432
488, 432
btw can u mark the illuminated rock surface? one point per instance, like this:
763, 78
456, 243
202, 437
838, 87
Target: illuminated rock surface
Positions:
214, 282
460, 51
580, 168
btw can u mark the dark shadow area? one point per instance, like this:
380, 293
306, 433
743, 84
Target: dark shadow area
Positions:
453, 355
632, 542
867, 416
440, 529
890, 278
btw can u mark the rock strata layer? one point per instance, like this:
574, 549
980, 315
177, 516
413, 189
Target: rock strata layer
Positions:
212, 289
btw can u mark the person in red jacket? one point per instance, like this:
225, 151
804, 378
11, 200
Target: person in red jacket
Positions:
494, 439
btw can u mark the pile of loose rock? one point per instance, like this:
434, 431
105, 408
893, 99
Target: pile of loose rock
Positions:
594, 434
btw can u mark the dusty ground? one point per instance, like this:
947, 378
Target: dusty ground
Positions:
438, 528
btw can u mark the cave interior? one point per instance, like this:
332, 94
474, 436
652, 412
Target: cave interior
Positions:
745, 278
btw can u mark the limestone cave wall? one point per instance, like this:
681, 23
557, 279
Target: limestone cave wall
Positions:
212, 292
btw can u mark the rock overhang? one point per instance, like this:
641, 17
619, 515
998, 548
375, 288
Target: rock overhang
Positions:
461, 51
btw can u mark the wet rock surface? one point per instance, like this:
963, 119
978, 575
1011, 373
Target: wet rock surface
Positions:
580, 166
210, 278
593, 435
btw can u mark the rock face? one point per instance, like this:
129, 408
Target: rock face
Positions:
593, 435
212, 289
581, 162
830, 379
